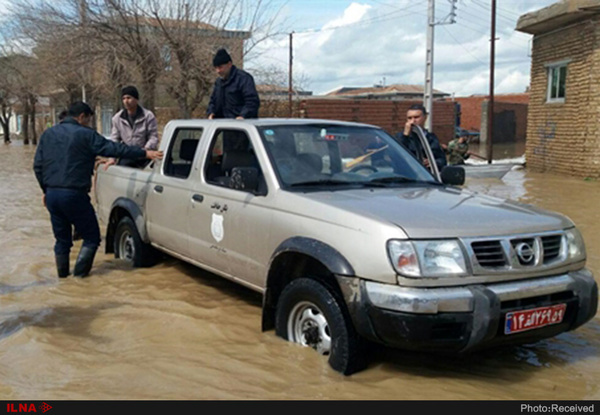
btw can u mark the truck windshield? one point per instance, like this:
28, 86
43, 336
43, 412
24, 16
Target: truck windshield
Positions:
339, 156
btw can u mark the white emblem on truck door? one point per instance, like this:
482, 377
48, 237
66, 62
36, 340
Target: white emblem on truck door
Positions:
216, 227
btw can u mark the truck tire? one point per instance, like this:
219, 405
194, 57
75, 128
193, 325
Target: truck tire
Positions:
130, 247
309, 314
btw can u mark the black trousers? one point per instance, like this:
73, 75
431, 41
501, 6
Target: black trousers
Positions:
71, 207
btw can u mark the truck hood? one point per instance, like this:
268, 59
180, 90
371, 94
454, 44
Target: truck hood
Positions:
439, 212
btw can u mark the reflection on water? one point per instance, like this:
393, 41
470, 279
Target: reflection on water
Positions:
175, 332
500, 151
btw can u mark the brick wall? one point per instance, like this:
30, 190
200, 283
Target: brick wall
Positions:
389, 115
510, 122
517, 113
565, 137
470, 107
591, 156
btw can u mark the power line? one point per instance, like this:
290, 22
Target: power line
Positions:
517, 15
370, 20
487, 34
482, 6
478, 17
391, 5
461, 45
388, 16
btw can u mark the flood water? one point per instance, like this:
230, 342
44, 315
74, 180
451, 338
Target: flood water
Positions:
175, 332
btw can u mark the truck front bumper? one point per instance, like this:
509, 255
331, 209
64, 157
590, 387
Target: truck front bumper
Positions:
464, 318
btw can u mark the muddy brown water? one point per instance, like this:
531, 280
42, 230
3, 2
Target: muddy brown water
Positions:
175, 332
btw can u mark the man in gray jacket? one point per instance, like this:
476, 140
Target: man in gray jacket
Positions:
134, 126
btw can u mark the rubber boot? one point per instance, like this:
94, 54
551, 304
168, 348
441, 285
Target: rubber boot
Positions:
62, 265
84, 261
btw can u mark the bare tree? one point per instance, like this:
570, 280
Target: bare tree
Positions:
5, 115
5, 106
99, 45
53, 36
191, 32
120, 28
273, 87
185, 45
7, 96
19, 84
82, 42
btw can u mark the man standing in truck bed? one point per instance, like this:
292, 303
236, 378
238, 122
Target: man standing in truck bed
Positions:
234, 94
134, 126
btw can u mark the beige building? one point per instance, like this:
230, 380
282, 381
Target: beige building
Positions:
563, 130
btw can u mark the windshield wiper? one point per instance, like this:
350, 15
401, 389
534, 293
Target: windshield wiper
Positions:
323, 182
399, 179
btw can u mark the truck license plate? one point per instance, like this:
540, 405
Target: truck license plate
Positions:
518, 321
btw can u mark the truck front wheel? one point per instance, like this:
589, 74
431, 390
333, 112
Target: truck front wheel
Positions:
129, 245
309, 314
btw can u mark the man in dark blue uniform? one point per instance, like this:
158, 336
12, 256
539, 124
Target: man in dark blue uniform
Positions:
63, 165
416, 115
234, 94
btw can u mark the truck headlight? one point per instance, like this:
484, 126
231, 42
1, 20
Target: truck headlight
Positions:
443, 258
575, 245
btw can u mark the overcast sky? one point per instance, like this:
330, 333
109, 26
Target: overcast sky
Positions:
363, 43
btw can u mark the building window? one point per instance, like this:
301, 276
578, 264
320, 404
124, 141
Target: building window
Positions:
557, 80
166, 56
106, 115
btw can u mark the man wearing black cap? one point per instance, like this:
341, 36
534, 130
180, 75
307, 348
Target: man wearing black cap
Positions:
234, 94
63, 165
134, 126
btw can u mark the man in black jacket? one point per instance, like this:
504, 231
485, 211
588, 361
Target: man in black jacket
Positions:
234, 94
416, 115
63, 165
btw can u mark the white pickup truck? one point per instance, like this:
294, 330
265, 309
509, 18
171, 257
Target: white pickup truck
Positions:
349, 238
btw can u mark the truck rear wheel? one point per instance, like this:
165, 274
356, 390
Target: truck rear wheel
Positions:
309, 314
129, 245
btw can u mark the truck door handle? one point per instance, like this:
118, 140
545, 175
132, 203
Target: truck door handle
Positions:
158, 188
197, 198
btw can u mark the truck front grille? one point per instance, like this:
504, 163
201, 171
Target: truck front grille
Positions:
551, 245
518, 253
489, 253
542, 300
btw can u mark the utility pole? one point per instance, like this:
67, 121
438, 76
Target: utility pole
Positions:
490, 127
428, 94
290, 85
83, 21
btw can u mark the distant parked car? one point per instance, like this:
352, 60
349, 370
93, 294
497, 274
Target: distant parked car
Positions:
473, 135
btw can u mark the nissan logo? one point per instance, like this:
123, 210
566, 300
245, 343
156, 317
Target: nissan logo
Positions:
525, 252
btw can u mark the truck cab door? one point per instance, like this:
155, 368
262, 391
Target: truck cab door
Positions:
427, 151
226, 224
169, 198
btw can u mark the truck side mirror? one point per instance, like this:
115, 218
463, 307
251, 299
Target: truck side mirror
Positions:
453, 175
244, 178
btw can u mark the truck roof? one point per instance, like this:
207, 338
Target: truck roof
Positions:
268, 121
